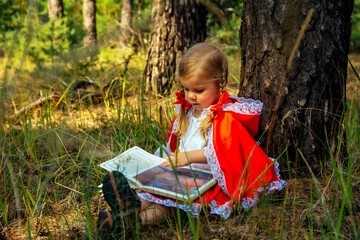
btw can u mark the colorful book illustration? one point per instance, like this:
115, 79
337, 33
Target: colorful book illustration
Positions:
144, 173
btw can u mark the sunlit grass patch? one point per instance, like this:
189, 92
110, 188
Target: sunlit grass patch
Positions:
59, 161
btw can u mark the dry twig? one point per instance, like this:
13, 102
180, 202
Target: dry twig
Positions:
35, 104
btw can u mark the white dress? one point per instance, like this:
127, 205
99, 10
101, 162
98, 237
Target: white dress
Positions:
192, 139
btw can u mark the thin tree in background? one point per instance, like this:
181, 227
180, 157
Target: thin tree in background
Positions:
126, 24
176, 25
89, 15
304, 102
55, 8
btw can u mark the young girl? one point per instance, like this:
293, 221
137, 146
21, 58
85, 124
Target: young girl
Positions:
212, 130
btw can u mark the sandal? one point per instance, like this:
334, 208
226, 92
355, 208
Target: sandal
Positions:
124, 204
105, 224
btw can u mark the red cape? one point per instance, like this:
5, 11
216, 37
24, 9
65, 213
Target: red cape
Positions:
241, 167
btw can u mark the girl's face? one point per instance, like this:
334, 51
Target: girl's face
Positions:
200, 91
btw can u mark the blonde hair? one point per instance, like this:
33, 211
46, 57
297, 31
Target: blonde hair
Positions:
208, 60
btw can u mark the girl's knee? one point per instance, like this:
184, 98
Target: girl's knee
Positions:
145, 204
154, 214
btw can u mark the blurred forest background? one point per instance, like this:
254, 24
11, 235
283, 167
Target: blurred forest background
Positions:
72, 98
48, 53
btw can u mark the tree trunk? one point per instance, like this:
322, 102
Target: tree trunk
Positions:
89, 15
55, 8
127, 13
176, 25
126, 24
307, 101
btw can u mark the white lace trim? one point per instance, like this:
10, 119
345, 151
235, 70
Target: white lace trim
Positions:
213, 161
272, 187
206, 111
193, 209
224, 210
276, 185
246, 106
248, 203
242, 105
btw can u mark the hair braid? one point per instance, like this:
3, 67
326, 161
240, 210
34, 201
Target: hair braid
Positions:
224, 77
222, 85
205, 124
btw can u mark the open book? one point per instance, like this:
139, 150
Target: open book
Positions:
144, 173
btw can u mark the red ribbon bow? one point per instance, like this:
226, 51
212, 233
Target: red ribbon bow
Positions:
219, 105
181, 100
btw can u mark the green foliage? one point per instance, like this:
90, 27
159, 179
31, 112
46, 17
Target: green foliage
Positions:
9, 12
355, 28
142, 20
55, 36
43, 38
218, 31
46, 39
11, 19
74, 21
107, 13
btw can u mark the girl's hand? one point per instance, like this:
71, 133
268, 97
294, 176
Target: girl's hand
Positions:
181, 160
185, 158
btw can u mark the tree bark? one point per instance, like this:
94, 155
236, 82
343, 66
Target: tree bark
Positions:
127, 13
126, 24
89, 15
55, 8
307, 101
176, 25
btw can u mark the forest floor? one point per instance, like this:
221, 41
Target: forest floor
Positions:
297, 212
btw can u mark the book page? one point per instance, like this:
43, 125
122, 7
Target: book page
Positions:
183, 182
132, 162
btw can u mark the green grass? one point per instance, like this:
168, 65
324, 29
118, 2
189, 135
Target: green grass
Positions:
50, 175
50, 156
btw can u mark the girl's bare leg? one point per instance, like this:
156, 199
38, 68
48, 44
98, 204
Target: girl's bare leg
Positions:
152, 213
